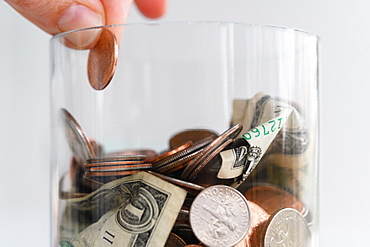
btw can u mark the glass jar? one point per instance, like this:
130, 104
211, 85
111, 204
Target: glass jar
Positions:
167, 134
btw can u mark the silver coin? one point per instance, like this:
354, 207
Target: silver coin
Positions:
286, 227
220, 216
77, 139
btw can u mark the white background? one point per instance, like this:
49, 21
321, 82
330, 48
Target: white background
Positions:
344, 28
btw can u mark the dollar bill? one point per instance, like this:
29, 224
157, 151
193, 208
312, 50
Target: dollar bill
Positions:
269, 126
138, 210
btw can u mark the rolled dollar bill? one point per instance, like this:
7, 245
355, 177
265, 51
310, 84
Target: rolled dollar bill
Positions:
270, 121
292, 146
138, 210
269, 127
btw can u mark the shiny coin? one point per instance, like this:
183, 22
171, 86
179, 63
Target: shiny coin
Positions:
102, 60
77, 139
171, 152
286, 227
184, 153
220, 216
174, 241
193, 135
258, 219
272, 198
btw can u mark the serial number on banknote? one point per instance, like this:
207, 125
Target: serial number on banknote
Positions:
265, 129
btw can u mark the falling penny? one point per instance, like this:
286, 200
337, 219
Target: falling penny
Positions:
102, 60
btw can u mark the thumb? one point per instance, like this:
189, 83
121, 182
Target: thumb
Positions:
56, 16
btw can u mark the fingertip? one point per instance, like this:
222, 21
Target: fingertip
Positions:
152, 8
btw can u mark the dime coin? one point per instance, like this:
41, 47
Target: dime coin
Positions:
77, 139
193, 135
220, 216
272, 198
286, 227
102, 60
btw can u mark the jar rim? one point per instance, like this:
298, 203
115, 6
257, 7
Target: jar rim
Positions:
196, 23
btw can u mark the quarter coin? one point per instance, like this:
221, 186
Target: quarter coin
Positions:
286, 227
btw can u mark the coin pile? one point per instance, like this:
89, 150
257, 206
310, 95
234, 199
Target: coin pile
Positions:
215, 211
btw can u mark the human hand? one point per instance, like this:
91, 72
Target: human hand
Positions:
56, 16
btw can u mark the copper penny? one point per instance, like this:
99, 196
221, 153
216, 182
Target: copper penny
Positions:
111, 174
193, 135
171, 152
207, 159
228, 134
272, 198
102, 60
174, 240
121, 167
112, 163
183, 154
258, 219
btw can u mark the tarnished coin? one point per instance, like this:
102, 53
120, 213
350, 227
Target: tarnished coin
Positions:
230, 133
125, 167
272, 198
135, 158
193, 135
177, 161
207, 159
286, 227
77, 139
185, 232
174, 240
102, 60
220, 216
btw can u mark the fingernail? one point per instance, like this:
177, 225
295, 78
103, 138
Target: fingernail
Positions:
77, 17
